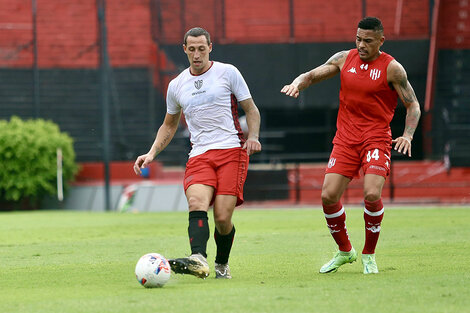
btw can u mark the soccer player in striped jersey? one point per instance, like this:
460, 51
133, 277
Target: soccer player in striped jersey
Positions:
208, 94
371, 83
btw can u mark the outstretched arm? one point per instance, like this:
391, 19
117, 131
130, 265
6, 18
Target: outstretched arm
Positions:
329, 69
397, 77
164, 135
253, 120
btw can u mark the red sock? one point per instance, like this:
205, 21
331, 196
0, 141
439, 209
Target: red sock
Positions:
373, 215
335, 220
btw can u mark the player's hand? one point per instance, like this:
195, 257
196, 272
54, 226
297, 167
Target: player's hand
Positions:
142, 162
290, 90
252, 146
403, 145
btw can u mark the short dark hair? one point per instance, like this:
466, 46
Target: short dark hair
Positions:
371, 23
196, 32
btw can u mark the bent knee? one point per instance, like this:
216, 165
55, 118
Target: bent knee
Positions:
223, 220
196, 203
328, 197
372, 195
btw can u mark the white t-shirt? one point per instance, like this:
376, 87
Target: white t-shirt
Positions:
209, 102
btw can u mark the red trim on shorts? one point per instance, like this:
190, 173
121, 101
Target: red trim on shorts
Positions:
240, 181
236, 122
242, 174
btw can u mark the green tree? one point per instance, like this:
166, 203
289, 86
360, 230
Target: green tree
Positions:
28, 159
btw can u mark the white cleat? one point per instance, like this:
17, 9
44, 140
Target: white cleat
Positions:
222, 271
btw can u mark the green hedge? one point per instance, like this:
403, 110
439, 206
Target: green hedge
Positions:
28, 159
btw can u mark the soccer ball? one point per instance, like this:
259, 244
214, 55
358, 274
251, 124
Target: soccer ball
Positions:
152, 270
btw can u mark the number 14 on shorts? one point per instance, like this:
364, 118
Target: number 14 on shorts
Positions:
373, 155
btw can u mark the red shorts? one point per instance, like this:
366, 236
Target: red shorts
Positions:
373, 158
223, 169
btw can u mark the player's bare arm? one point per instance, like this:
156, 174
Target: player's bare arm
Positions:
397, 77
253, 119
165, 134
325, 71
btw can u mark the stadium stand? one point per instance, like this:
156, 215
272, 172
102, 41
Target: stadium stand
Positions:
270, 41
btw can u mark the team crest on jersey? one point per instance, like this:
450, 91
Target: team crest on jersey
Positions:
375, 74
198, 84
331, 162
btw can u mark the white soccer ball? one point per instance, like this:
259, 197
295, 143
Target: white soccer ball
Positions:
152, 270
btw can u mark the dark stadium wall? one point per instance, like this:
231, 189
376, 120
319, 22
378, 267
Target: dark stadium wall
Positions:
450, 108
271, 41
268, 67
315, 110
70, 97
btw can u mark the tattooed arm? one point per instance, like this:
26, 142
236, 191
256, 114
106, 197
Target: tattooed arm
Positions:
397, 77
164, 135
329, 69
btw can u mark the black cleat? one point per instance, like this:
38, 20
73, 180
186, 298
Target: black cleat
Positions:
195, 264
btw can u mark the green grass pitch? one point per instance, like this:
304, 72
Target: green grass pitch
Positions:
56, 261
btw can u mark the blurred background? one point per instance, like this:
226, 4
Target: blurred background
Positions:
100, 69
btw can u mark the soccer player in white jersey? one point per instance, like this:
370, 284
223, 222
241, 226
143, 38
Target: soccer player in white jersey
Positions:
208, 94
